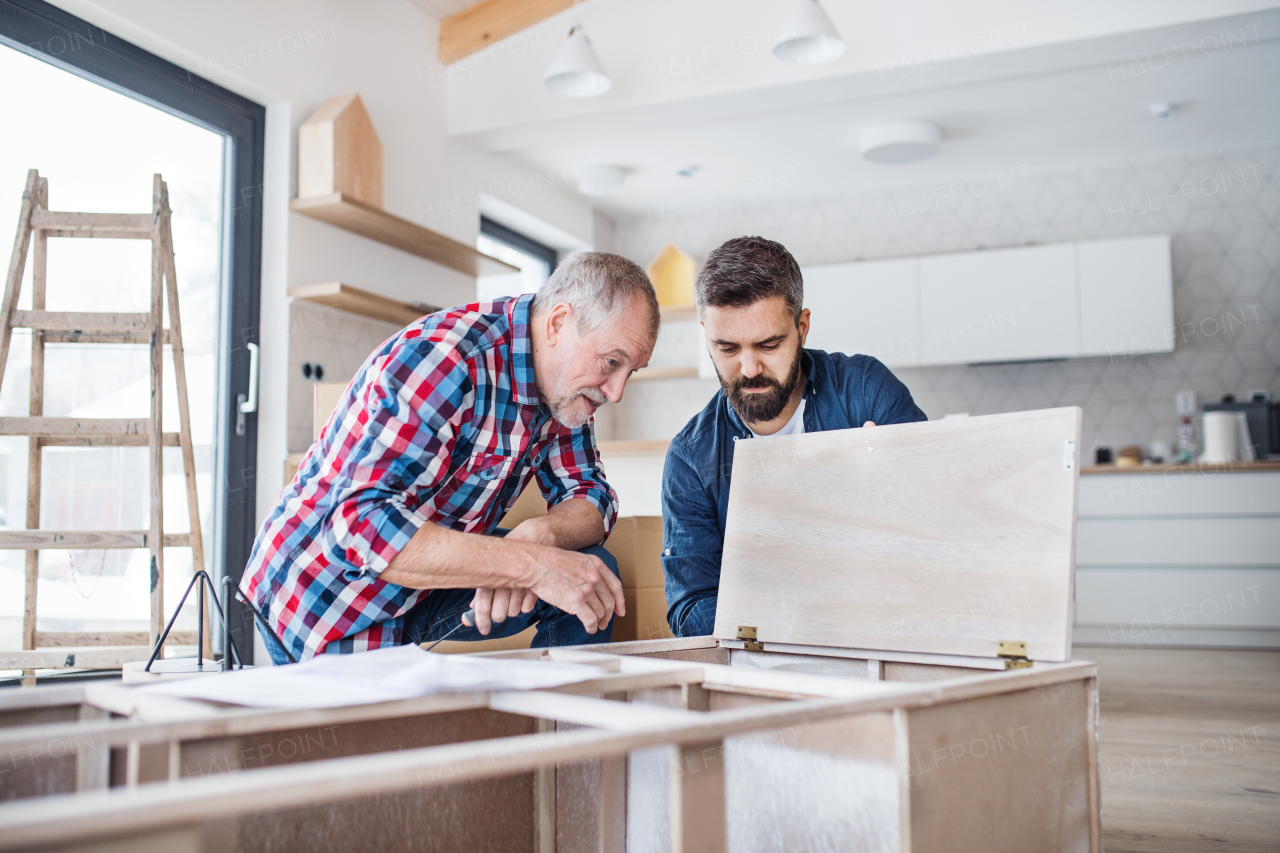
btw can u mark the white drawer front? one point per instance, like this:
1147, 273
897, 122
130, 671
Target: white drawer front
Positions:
1173, 493
1169, 599
1178, 542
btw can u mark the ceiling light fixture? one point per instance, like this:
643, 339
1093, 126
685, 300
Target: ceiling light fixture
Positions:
600, 181
808, 37
576, 71
1164, 109
903, 141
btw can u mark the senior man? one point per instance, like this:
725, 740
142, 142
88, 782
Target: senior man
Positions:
750, 298
380, 539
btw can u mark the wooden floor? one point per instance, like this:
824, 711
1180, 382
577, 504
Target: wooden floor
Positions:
1190, 755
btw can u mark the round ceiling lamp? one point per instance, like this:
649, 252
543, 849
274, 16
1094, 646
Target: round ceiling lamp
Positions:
576, 71
600, 181
902, 141
808, 37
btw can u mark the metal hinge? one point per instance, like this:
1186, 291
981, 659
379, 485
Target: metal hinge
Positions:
747, 633
1014, 653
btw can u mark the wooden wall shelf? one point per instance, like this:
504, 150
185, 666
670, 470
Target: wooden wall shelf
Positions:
376, 224
353, 300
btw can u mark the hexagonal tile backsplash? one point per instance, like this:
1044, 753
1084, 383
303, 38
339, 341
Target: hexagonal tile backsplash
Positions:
1222, 211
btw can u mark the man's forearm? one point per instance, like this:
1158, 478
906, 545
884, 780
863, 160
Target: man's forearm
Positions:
575, 524
439, 558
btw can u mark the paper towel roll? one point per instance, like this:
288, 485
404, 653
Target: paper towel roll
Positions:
1221, 437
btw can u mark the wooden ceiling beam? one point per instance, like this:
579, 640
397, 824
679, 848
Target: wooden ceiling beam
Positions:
483, 23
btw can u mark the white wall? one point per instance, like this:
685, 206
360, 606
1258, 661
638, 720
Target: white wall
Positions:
291, 55
1220, 209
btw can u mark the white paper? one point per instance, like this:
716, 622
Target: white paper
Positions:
384, 675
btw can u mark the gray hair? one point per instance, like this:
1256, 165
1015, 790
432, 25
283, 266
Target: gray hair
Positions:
597, 285
745, 270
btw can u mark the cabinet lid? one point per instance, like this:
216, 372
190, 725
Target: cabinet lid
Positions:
943, 537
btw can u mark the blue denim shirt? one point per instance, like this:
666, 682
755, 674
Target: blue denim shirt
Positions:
841, 392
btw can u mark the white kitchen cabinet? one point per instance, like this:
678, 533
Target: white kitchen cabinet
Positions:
1099, 298
869, 307
1001, 305
1179, 558
1126, 296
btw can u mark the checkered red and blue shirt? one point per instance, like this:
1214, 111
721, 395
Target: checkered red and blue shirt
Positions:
441, 424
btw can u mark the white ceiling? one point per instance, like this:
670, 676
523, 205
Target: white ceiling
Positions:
440, 9
1025, 108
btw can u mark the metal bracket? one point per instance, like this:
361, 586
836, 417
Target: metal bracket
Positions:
1014, 653
748, 634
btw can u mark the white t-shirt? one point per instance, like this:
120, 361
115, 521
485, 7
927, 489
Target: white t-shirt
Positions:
795, 426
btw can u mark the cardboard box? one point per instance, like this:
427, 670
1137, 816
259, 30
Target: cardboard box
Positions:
636, 543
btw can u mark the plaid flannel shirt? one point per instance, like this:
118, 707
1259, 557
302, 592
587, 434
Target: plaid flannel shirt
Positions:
442, 424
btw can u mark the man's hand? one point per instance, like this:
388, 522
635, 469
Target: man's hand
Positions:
534, 561
576, 583
497, 605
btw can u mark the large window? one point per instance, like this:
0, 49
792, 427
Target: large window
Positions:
98, 117
535, 261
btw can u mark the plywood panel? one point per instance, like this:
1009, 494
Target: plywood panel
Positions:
215, 756
1002, 774
1179, 541
942, 537
869, 307
811, 664
483, 816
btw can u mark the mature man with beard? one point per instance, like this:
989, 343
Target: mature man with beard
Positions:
381, 537
750, 300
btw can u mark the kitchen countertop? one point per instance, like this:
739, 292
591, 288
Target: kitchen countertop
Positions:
659, 448
1230, 467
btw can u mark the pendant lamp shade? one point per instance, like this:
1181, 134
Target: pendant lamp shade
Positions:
576, 71
808, 37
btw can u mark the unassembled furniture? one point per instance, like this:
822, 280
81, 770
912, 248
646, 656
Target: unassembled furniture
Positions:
657, 755
908, 689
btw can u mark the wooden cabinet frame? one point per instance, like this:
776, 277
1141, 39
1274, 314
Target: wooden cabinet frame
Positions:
590, 773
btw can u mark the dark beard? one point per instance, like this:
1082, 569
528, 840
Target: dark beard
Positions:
758, 408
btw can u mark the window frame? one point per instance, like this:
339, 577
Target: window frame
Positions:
497, 231
48, 33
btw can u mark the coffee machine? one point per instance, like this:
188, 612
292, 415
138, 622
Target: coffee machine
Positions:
1263, 418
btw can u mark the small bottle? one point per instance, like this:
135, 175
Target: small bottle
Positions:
1186, 441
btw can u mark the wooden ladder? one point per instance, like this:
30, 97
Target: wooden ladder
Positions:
36, 224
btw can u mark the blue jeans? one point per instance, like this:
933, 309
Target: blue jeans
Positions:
441, 611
